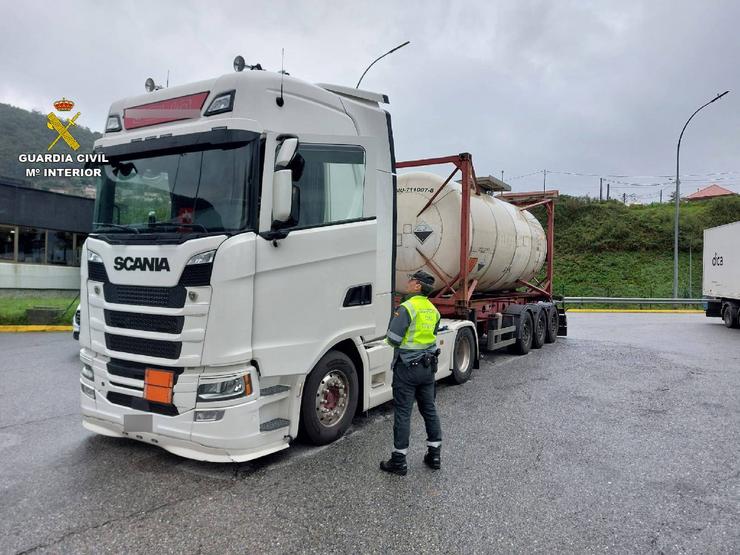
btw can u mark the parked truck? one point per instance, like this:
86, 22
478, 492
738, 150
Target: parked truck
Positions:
721, 273
239, 281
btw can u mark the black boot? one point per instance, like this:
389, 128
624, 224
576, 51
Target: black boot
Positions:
396, 464
433, 458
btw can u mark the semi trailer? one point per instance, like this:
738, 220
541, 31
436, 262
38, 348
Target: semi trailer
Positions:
239, 279
721, 273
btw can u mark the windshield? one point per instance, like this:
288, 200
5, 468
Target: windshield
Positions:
183, 192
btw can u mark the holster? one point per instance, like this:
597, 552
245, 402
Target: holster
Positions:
430, 360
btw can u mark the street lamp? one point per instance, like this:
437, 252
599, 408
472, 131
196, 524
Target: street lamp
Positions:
678, 195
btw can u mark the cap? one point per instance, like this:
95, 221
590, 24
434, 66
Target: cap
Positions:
422, 277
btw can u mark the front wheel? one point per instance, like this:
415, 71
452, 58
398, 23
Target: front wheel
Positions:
329, 399
463, 356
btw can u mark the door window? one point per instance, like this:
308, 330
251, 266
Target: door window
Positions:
332, 184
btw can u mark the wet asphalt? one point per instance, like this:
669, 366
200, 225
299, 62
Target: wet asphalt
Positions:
623, 437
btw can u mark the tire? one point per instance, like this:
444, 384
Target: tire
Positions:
323, 392
553, 322
463, 356
540, 329
729, 316
524, 333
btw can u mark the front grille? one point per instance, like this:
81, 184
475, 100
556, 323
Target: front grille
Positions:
145, 322
141, 346
196, 274
169, 297
96, 272
137, 370
137, 403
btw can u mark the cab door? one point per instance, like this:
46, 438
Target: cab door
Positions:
315, 286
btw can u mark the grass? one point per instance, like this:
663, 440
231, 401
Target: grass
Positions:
626, 274
13, 309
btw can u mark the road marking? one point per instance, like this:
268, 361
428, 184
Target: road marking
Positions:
22, 329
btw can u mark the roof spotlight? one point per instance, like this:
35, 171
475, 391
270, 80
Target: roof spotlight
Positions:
239, 64
150, 85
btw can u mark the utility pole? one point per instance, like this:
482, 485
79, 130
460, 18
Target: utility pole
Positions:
690, 288
607, 190
502, 175
624, 198
661, 196
601, 188
544, 180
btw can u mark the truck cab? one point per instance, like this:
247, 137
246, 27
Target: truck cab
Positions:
238, 281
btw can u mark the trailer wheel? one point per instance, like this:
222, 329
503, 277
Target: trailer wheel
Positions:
329, 399
524, 339
540, 329
730, 316
552, 325
463, 356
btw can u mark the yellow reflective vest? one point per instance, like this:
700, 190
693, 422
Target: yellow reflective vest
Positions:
424, 318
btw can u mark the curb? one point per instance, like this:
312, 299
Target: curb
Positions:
638, 311
23, 329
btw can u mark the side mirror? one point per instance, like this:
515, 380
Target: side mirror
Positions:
282, 195
286, 152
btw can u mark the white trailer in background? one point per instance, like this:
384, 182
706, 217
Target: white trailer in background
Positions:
721, 280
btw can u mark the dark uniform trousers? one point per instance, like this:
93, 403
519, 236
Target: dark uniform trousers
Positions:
409, 383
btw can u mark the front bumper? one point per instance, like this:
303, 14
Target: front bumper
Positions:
234, 438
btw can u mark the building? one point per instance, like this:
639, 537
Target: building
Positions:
41, 237
713, 191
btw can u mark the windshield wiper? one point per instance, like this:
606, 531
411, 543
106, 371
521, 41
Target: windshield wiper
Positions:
177, 224
115, 226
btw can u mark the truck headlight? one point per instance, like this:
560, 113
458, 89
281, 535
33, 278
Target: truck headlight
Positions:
227, 389
201, 258
87, 372
93, 257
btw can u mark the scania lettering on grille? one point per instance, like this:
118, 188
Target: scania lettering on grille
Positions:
151, 264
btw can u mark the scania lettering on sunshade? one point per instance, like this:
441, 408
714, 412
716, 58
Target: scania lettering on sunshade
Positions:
151, 264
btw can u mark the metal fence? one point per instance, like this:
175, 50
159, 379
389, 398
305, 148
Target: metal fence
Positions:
632, 300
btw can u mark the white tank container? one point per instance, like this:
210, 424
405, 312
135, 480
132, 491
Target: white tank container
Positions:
509, 244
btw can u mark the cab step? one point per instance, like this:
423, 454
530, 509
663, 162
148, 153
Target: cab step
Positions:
274, 424
273, 390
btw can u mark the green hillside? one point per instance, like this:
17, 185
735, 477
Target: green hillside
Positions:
24, 132
609, 249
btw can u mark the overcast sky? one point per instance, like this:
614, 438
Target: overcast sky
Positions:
599, 88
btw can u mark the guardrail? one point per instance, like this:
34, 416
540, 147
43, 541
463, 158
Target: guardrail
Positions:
630, 300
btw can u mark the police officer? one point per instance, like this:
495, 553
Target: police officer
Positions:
413, 332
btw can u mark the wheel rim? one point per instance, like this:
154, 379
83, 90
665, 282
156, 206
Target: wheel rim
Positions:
541, 326
463, 353
332, 398
527, 331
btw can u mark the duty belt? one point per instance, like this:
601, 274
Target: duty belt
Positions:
428, 359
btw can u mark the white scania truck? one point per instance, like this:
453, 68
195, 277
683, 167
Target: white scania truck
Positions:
239, 282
